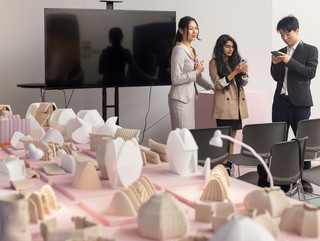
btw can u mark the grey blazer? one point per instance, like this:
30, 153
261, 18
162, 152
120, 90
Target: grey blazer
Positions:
183, 76
301, 69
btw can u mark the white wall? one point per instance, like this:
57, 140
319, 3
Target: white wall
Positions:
250, 22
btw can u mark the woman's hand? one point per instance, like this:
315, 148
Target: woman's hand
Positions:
200, 68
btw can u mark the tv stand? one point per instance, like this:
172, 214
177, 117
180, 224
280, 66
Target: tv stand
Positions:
43, 89
109, 4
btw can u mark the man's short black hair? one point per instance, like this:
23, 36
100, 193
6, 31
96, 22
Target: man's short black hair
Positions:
288, 23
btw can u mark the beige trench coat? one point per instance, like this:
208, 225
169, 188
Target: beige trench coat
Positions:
227, 103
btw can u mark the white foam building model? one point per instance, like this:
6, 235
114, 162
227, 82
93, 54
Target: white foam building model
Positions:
123, 162
61, 118
182, 152
162, 217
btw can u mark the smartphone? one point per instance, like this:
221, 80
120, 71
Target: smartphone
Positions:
275, 53
243, 61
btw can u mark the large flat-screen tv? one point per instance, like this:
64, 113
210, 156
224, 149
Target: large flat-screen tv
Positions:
107, 48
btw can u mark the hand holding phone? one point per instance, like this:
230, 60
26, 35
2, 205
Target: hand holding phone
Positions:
275, 53
243, 61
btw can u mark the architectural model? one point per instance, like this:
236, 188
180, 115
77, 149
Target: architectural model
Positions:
86, 177
5, 110
162, 217
159, 148
127, 202
182, 152
302, 219
14, 218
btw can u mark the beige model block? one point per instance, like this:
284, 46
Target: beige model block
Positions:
162, 217
215, 191
84, 230
127, 134
37, 199
193, 238
5, 110
220, 171
33, 211
221, 213
86, 177
268, 222
203, 211
151, 157
159, 148
48, 191
14, 218
302, 219
121, 205
128, 201
273, 200
95, 140
44, 112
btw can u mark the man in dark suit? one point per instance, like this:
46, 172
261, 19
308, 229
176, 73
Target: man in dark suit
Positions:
293, 70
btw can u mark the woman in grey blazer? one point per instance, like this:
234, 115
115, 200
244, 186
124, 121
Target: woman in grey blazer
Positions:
185, 73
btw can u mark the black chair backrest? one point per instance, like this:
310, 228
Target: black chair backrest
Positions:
285, 165
262, 136
202, 138
311, 129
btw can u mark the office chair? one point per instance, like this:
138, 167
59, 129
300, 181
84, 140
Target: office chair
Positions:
260, 137
286, 166
217, 154
311, 129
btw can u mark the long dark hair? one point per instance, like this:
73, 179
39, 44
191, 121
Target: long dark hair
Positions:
184, 24
222, 61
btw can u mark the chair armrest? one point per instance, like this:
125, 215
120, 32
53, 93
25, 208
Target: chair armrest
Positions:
312, 148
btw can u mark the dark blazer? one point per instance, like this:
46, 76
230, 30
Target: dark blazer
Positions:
301, 69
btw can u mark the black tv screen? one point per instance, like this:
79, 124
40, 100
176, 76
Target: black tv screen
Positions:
96, 48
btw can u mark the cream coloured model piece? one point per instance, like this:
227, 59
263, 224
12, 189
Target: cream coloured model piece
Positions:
42, 112
14, 218
68, 163
95, 140
182, 152
36, 130
84, 230
162, 217
101, 156
302, 219
242, 229
159, 148
151, 157
267, 221
41, 203
123, 162
127, 202
48, 155
86, 177
5, 110
215, 191
273, 200
78, 130
127, 134
220, 172
221, 213
193, 238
